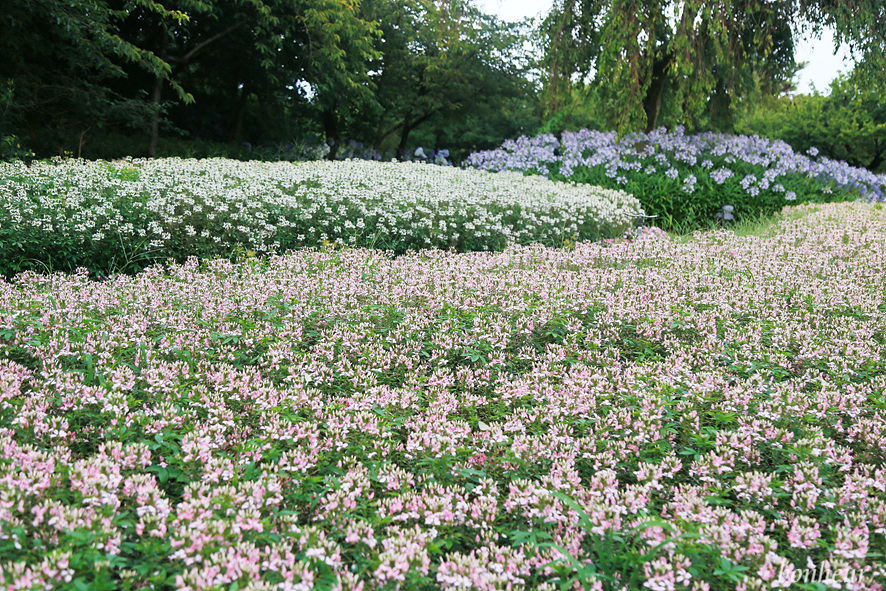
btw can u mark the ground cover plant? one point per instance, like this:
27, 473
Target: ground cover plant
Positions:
704, 413
125, 215
686, 179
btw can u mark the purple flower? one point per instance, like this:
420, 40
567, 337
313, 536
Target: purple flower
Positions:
720, 175
670, 152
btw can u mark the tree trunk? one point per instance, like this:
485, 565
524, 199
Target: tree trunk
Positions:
156, 97
239, 114
404, 137
182, 62
721, 116
560, 70
330, 126
877, 161
652, 101
381, 133
407, 126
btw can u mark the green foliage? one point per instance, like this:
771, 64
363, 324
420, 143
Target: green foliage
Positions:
82, 66
848, 124
340, 47
10, 146
262, 72
861, 24
449, 69
581, 109
678, 210
67, 61
694, 55
668, 63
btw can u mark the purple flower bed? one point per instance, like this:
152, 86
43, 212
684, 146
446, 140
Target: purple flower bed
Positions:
644, 415
686, 179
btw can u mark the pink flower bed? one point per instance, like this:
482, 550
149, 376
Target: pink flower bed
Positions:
634, 415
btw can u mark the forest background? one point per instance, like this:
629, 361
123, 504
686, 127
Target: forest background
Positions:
301, 79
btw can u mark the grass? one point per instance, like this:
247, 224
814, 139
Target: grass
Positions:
761, 225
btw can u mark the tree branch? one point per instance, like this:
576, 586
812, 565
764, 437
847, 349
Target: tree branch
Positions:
186, 58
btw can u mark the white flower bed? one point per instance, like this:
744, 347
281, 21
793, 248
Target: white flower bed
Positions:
188, 206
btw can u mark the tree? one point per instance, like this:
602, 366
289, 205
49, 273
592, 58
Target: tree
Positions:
59, 57
861, 24
341, 50
275, 43
699, 54
848, 124
638, 51
256, 70
78, 63
441, 61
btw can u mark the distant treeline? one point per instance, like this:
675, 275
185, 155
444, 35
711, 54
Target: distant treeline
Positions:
376, 78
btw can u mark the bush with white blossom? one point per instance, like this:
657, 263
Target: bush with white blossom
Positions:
124, 215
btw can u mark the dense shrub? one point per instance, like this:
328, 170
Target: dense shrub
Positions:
686, 179
847, 124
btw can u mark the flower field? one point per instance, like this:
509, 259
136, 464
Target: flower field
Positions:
657, 414
685, 179
122, 216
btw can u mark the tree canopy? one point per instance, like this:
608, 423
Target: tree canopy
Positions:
697, 55
257, 71
114, 77
441, 62
847, 124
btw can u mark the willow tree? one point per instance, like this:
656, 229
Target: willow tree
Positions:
860, 24
639, 51
699, 53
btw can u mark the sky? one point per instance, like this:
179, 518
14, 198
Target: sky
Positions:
823, 64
